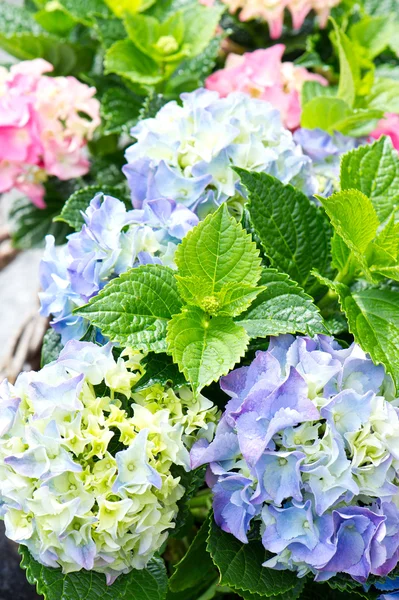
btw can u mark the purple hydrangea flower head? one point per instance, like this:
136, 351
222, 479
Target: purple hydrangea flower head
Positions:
112, 240
308, 446
187, 151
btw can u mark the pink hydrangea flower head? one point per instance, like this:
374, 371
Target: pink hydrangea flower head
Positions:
389, 126
272, 11
262, 74
45, 123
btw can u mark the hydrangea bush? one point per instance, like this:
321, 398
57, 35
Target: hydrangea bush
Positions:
216, 412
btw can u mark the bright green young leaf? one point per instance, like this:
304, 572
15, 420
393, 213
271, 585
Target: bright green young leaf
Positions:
79, 201
162, 42
384, 95
374, 170
134, 309
219, 252
231, 300
373, 317
384, 253
51, 347
294, 232
205, 348
283, 307
342, 259
196, 566
159, 368
373, 33
324, 112
55, 20
126, 60
147, 584
120, 7
349, 72
314, 89
120, 110
240, 565
353, 218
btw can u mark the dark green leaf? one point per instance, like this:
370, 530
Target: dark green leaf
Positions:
294, 232
374, 171
79, 201
51, 347
148, 584
120, 110
283, 307
159, 368
196, 566
30, 224
240, 565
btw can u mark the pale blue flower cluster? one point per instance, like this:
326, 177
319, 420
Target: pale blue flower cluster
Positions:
112, 240
85, 463
325, 151
187, 151
309, 445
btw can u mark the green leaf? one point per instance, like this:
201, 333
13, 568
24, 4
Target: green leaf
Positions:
354, 219
192, 481
373, 33
240, 565
384, 95
314, 89
216, 254
55, 20
373, 317
134, 309
147, 584
108, 30
324, 112
200, 23
159, 368
152, 104
349, 75
83, 10
205, 348
384, 256
79, 201
30, 225
293, 230
374, 170
126, 60
196, 566
120, 7
192, 72
120, 110
342, 259
51, 347
283, 307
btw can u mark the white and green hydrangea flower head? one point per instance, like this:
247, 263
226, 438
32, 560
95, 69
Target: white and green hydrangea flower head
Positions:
85, 463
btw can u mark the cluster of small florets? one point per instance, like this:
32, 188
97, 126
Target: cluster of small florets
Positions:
309, 445
112, 240
263, 75
187, 151
45, 123
272, 11
85, 464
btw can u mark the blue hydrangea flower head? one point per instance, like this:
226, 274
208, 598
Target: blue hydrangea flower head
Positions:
112, 240
186, 151
325, 151
308, 445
